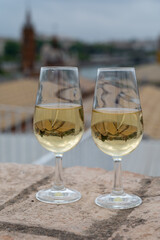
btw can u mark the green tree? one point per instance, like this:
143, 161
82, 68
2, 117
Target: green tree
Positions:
12, 50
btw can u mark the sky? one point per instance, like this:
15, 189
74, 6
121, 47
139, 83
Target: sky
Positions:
87, 20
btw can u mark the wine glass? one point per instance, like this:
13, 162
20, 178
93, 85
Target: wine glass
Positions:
58, 124
117, 127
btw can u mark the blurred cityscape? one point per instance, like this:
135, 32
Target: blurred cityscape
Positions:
25, 56
20, 62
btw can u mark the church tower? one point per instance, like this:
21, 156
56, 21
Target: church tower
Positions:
28, 46
158, 50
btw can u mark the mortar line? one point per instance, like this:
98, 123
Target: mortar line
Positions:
108, 224
108, 227
23, 195
41, 231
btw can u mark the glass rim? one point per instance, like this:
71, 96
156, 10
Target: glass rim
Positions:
58, 68
109, 69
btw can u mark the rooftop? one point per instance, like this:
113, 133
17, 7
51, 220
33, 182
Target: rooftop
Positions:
22, 94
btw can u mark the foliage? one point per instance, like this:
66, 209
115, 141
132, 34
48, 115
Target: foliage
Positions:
11, 50
86, 50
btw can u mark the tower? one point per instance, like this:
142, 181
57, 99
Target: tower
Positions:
28, 45
158, 50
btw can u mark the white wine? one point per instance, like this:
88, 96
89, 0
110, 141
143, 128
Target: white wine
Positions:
58, 128
117, 132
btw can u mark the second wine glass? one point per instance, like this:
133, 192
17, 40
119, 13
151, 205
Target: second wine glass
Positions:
117, 127
58, 124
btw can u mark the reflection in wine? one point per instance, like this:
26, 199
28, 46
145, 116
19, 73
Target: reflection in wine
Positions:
58, 129
117, 132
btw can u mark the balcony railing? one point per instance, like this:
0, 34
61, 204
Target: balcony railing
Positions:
15, 118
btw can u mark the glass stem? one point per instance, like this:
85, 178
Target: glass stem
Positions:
58, 181
117, 186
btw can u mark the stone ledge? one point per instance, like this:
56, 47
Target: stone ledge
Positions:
23, 217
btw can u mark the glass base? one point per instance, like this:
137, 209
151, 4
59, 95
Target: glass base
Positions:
58, 196
123, 201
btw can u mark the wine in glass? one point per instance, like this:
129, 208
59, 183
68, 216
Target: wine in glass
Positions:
58, 124
117, 127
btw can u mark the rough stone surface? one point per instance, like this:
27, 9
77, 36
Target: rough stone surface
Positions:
16, 180
17, 236
23, 217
